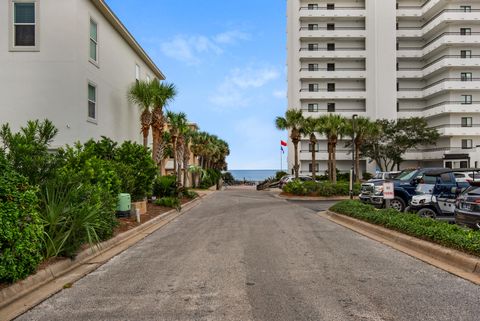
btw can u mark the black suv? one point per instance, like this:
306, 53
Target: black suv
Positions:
467, 211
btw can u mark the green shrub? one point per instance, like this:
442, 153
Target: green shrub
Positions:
27, 150
190, 194
228, 178
21, 232
295, 187
280, 174
165, 186
367, 176
211, 177
172, 202
323, 188
142, 168
431, 230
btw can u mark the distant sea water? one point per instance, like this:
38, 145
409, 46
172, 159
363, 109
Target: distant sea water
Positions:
253, 175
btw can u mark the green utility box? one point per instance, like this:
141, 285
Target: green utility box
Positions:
124, 205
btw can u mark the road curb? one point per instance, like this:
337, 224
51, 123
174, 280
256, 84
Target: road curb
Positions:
14, 294
311, 198
453, 261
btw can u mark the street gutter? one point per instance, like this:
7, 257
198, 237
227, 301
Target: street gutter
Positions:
26, 294
455, 262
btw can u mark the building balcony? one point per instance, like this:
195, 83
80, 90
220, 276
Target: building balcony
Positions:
444, 39
338, 73
436, 153
443, 62
339, 93
416, 11
445, 16
322, 154
445, 107
458, 130
348, 113
338, 32
337, 11
447, 84
339, 53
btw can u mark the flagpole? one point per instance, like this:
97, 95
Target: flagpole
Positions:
281, 160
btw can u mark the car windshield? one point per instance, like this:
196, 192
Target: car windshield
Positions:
473, 190
378, 176
424, 188
407, 175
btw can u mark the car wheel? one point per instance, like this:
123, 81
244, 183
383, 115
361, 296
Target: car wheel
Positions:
427, 212
397, 204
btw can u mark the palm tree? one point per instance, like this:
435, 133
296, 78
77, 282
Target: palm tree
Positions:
187, 134
334, 127
292, 121
162, 95
141, 95
176, 122
363, 130
310, 126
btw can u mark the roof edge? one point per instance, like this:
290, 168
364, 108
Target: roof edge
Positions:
127, 36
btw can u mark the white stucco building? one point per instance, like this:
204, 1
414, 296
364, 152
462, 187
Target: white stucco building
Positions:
71, 61
389, 59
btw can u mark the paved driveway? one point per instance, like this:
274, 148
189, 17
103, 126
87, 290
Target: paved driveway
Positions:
246, 255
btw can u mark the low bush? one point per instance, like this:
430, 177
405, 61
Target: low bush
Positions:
431, 230
165, 186
211, 177
172, 202
228, 178
21, 231
280, 174
190, 194
323, 188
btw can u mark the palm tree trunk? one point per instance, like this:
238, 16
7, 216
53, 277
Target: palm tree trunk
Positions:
174, 144
329, 162
295, 166
313, 143
334, 163
185, 165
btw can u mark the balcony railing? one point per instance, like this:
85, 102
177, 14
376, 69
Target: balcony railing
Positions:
456, 126
336, 49
467, 80
443, 103
440, 149
413, 7
337, 110
436, 16
332, 9
329, 29
438, 37
332, 91
332, 70
438, 60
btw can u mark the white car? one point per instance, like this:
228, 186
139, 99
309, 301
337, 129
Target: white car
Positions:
467, 177
286, 179
385, 175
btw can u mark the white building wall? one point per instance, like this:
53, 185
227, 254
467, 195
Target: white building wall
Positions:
52, 83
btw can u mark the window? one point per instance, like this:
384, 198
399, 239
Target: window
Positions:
330, 26
312, 46
312, 6
466, 99
467, 144
313, 87
330, 87
398, 106
312, 67
313, 26
466, 76
92, 102
330, 6
330, 47
312, 108
93, 41
466, 121
310, 149
465, 31
310, 167
446, 179
330, 67
24, 21
137, 73
466, 8
331, 107
465, 54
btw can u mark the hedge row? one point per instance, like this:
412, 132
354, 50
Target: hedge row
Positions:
325, 189
439, 232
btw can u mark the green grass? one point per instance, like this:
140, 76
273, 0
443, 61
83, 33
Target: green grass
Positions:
442, 233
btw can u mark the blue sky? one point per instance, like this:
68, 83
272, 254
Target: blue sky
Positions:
228, 61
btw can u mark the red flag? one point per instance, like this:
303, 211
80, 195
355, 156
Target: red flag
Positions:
283, 143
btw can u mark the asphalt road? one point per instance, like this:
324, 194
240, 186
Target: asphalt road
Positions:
246, 255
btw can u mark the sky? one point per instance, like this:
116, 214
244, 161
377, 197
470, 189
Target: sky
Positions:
228, 62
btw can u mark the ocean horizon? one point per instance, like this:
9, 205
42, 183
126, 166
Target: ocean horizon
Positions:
252, 175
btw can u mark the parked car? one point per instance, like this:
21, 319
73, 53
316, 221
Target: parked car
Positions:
467, 177
467, 211
286, 179
385, 175
436, 194
404, 188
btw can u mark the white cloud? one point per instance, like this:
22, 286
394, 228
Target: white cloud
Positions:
281, 94
190, 49
236, 89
